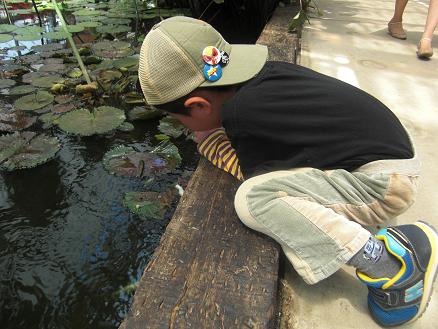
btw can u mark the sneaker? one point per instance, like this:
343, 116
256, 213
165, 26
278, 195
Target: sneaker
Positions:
404, 298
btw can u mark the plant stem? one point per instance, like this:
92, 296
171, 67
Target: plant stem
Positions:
37, 12
72, 43
7, 12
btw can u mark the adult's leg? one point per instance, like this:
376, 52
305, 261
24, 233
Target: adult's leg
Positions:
425, 45
395, 26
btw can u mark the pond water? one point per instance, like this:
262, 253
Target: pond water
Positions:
71, 253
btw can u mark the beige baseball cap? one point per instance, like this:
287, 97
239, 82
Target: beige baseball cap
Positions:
171, 64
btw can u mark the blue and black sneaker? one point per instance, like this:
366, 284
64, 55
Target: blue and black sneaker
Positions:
404, 298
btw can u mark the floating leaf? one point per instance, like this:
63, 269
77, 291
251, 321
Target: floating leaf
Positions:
149, 204
34, 101
113, 29
63, 99
63, 108
88, 12
6, 28
53, 68
29, 30
7, 83
126, 161
89, 24
112, 49
75, 73
28, 37
117, 21
72, 28
143, 113
46, 82
167, 150
6, 38
126, 126
56, 35
85, 123
26, 150
171, 127
161, 137
125, 62
14, 121
49, 119
21, 90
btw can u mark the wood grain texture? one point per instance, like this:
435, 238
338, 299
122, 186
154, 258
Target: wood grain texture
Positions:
210, 271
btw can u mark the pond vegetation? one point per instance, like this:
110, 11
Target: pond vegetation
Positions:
87, 170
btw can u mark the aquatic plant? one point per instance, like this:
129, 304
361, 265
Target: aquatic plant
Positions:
129, 162
26, 150
149, 204
15, 120
86, 123
34, 101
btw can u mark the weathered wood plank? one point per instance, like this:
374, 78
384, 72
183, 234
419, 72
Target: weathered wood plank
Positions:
210, 271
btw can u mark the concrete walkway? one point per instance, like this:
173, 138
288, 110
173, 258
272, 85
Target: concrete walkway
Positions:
350, 42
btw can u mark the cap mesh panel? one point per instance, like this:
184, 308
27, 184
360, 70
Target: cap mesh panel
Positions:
165, 71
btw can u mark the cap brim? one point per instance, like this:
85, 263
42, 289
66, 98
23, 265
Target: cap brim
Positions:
245, 62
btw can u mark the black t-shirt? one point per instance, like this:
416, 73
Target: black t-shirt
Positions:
289, 116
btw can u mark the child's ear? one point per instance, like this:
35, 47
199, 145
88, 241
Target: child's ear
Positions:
198, 106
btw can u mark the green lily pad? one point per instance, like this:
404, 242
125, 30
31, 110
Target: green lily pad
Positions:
89, 12
85, 123
47, 81
49, 119
26, 150
63, 108
112, 49
53, 68
126, 62
15, 121
7, 83
128, 162
167, 150
28, 37
56, 35
34, 101
143, 113
29, 30
72, 28
22, 90
6, 38
126, 126
149, 204
113, 29
171, 127
6, 28
89, 24
117, 21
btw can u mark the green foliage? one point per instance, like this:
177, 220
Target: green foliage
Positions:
34, 101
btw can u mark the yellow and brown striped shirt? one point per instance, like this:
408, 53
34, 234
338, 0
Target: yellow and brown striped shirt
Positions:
216, 147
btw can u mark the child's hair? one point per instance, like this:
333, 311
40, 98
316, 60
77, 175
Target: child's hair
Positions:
177, 106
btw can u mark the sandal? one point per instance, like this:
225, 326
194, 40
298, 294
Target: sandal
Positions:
425, 48
396, 30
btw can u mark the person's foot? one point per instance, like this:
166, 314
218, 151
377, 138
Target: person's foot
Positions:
395, 29
404, 298
425, 48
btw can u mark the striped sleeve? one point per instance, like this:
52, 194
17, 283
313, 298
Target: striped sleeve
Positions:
217, 148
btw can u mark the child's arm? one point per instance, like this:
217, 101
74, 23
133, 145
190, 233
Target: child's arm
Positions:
216, 147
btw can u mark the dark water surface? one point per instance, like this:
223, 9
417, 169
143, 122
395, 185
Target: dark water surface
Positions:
70, 252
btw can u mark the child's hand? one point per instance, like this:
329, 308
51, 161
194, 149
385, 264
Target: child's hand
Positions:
201, 135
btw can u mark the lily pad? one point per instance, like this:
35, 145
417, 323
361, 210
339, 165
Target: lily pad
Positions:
26, 150
28, 37
171, 127
126, 62
56, 35
7, 83
6, 38
112, 49
72, 28
14, 121
89, 24
117, 21
85, 123
74, 73
46, 82
113, 29
149, 204
167, 150
128, 162
6, 28
142, 113
21, 90
29, 30
63, 108
49, 119
88, 12
126, 126
34, 101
